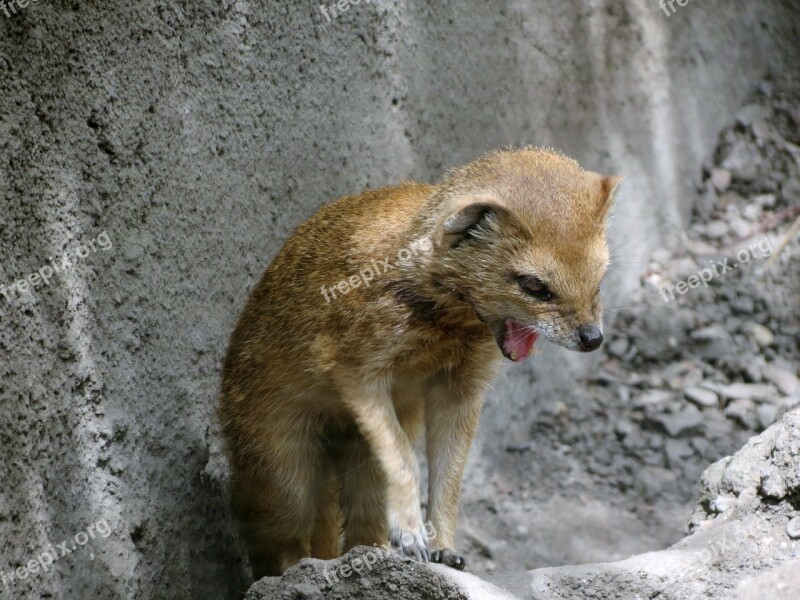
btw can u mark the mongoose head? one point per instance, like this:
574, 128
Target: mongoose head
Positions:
521, 236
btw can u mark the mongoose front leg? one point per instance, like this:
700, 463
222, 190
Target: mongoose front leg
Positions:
377, 420
451, 419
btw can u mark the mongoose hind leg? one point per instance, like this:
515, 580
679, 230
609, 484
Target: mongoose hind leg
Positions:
274, 500
265, 527
326, 540
363, 493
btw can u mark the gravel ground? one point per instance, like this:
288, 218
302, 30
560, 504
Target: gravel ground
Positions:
612, 468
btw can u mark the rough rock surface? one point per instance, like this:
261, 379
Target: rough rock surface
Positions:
742, 540
364, 574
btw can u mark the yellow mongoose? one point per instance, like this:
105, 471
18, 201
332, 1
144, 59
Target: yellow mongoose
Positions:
387, 314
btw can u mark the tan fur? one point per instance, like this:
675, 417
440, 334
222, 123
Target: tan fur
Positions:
322, 401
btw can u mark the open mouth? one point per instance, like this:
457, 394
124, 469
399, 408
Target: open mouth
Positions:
516, 340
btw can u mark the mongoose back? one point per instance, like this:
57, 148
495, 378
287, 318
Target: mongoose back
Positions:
386, 315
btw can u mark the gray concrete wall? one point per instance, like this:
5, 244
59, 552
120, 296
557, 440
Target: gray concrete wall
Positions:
198, 134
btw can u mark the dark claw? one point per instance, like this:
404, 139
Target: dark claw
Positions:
449, 558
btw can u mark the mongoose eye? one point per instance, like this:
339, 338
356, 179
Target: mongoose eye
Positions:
535, 287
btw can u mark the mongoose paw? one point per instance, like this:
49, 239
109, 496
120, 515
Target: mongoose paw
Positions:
411, 544
449, 557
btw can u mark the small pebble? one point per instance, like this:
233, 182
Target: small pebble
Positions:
772, 484
785, 380
762, 335
701, 397
765, 200
618, 348
793, 528
721, 179
717, 229
762, 392
766, 414
740, 226
752, 212
723, 503
742, 411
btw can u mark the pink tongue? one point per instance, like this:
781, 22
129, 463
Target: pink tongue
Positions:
518, 341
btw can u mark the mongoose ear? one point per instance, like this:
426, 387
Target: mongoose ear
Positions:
608, 187
467, 217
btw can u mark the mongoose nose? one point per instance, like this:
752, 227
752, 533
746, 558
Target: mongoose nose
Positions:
590, 338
